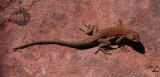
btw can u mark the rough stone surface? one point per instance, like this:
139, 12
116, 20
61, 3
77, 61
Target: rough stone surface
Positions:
61, 19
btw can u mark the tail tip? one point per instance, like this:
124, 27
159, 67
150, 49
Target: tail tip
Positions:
14, 49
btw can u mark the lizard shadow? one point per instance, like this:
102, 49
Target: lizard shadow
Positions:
137, 46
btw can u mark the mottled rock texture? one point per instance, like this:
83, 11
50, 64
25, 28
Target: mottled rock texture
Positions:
23, 21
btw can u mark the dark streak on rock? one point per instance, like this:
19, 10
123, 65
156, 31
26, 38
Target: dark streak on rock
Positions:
59, 17
20, 17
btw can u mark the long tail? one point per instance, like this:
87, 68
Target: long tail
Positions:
59, 42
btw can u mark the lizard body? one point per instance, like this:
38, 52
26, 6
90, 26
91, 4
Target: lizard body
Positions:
98, 36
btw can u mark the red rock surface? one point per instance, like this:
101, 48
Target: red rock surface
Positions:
61, 19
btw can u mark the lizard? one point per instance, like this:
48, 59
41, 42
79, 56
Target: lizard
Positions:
102, 37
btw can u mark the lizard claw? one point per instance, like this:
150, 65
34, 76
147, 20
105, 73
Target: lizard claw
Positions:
81, 29
85, 24
96, 51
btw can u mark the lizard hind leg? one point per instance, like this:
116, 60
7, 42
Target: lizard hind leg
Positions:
90, 29
103, 43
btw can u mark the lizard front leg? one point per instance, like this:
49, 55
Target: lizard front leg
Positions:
90, 29
122, 47
101, 47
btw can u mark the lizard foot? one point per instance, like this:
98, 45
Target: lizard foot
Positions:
105, 51
124, 49
89, 29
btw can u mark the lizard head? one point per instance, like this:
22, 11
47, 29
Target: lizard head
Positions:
134, 36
